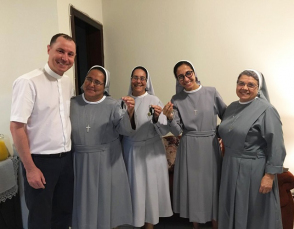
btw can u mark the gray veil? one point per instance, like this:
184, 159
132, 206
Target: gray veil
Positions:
179, 87
107, 77
262, 93
149, 86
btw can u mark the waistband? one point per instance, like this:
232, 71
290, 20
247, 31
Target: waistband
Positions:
94, 148
196, 133
246, 154
144, 142
55, 155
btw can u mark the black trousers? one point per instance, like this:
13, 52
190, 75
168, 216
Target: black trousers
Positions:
51, 208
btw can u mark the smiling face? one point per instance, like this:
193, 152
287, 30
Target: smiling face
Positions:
244, 92
94, 85
138, 85
61, 55
189, 83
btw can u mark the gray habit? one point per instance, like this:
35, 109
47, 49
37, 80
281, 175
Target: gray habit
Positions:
254, 145
102, 198
198, 161
146, 163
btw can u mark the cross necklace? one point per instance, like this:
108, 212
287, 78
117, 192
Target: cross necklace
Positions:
87, 117
193, 103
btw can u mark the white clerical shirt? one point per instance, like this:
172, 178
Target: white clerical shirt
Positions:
41, 100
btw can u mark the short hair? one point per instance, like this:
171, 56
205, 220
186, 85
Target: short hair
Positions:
142, 68
249, 73
65, 36
180, 63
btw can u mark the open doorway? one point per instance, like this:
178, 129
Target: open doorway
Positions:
88, 35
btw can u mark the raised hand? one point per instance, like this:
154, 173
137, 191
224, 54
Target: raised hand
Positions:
130, 103
168, 111
157, 112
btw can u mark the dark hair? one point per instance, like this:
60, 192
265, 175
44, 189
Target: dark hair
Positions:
142, 68
180, 63
65, 36
249, 73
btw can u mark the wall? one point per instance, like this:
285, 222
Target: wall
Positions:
221, 38
92, 8
26, 29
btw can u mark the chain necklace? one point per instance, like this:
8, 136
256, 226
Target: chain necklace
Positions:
88, 117
194, 102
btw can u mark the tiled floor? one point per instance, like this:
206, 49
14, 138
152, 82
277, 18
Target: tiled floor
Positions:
174, 222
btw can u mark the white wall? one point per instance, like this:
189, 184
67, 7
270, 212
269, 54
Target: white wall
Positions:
26, 29
92, 8
221, 38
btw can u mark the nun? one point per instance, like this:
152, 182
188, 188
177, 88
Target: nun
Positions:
144, 154
102, 198
251, 130
193, 112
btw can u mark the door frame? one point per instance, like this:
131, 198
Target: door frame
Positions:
92, 40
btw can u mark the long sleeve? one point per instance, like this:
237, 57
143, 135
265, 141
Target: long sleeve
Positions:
219, 105
122, 121
175, 125
272, 132
161, 126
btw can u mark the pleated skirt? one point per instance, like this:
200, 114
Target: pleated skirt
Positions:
102, 198
196, 178
241, 206
148, 175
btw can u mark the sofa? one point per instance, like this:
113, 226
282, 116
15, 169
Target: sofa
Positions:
171, 144
286, 183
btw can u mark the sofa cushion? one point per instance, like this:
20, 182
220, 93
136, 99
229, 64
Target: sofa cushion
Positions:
171, 144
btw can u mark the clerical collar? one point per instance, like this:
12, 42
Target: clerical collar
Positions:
140, 96
247, 101
96, 102
193, 90
51, 73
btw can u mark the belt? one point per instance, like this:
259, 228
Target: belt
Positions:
246, 154
56, 155
195, 133
143, 142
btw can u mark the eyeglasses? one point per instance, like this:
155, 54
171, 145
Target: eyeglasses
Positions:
249, 85
95, 82
188, 74
136, 78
